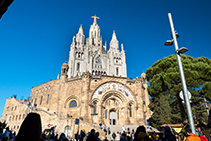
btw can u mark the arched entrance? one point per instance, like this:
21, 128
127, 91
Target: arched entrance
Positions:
67, 131
110, 100
112, 117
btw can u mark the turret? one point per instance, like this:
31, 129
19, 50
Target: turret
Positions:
64, 70
80, 36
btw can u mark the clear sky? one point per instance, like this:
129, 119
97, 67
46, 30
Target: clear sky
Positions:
35, 35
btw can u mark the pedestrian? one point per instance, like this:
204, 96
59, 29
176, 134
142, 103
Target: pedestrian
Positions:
97, 136
62, 137
109, 131
30, 129
191, 136
123, 137
117, 136
114, 136
198, 131
92, 136
82, 135
140, 134
5, 135
168, 134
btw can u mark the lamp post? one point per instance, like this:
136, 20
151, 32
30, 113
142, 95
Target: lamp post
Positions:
178, 51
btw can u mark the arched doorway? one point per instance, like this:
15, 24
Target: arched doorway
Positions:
67, 131
112, 117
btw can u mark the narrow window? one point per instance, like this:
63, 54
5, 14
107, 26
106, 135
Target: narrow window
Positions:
78, 66
95, 108
14, 127
48, 98
117, 71
35, 100
23, 116
19, 117
130, 110
118, 114
105, 114
16, 117
13, 118
10, 118
41, 100
15, 107
12, 108
73, 104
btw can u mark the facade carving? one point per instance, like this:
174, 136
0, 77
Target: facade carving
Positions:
93, 86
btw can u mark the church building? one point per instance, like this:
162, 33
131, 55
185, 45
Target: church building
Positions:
92, 87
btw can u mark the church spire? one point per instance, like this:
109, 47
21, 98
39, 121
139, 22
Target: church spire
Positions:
114, 42
80, 36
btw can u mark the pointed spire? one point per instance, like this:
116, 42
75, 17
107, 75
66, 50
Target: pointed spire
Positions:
122, 48
81, 30
114, 35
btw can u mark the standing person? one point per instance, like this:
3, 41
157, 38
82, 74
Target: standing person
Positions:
109, 131
5, 135
114, 136
97, 136
191, 136
92, 136
123, 137
62, 137
168, 134
140, 134
117, 136
123, 127
132, 134
30, 129
82, 135
198, 131
209, 138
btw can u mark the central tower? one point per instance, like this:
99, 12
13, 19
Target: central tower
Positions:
92, 55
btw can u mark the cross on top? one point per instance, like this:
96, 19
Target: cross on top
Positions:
95, 17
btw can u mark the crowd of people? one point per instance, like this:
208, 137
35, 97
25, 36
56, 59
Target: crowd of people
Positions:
30, 130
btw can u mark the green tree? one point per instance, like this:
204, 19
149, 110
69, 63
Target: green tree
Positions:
164, 80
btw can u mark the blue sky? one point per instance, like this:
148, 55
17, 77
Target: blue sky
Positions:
35, 36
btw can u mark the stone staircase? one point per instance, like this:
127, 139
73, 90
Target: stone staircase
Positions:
118, 128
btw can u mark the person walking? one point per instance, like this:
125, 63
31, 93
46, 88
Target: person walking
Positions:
92, 136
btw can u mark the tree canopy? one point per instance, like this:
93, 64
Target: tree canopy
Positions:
165, 85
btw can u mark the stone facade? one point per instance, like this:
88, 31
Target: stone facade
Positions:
96, 91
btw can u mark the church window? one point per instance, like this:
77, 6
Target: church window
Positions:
19, 117
5, 118
117, 71
13, 118
48, 98
16, 117
78, 66
15, 107
41, 100
79, 55
12, 108
95, 108
73, 104
35, 100
14, 127
17, 127
10, 118
105, 114
23, 116
130, 110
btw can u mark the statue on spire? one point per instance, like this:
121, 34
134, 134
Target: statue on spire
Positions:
95, 18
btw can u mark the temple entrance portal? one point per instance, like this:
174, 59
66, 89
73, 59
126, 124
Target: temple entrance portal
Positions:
112, 117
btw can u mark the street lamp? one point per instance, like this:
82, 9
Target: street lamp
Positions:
178, 51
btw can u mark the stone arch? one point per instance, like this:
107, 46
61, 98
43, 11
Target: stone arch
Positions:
69, 99
133, 95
